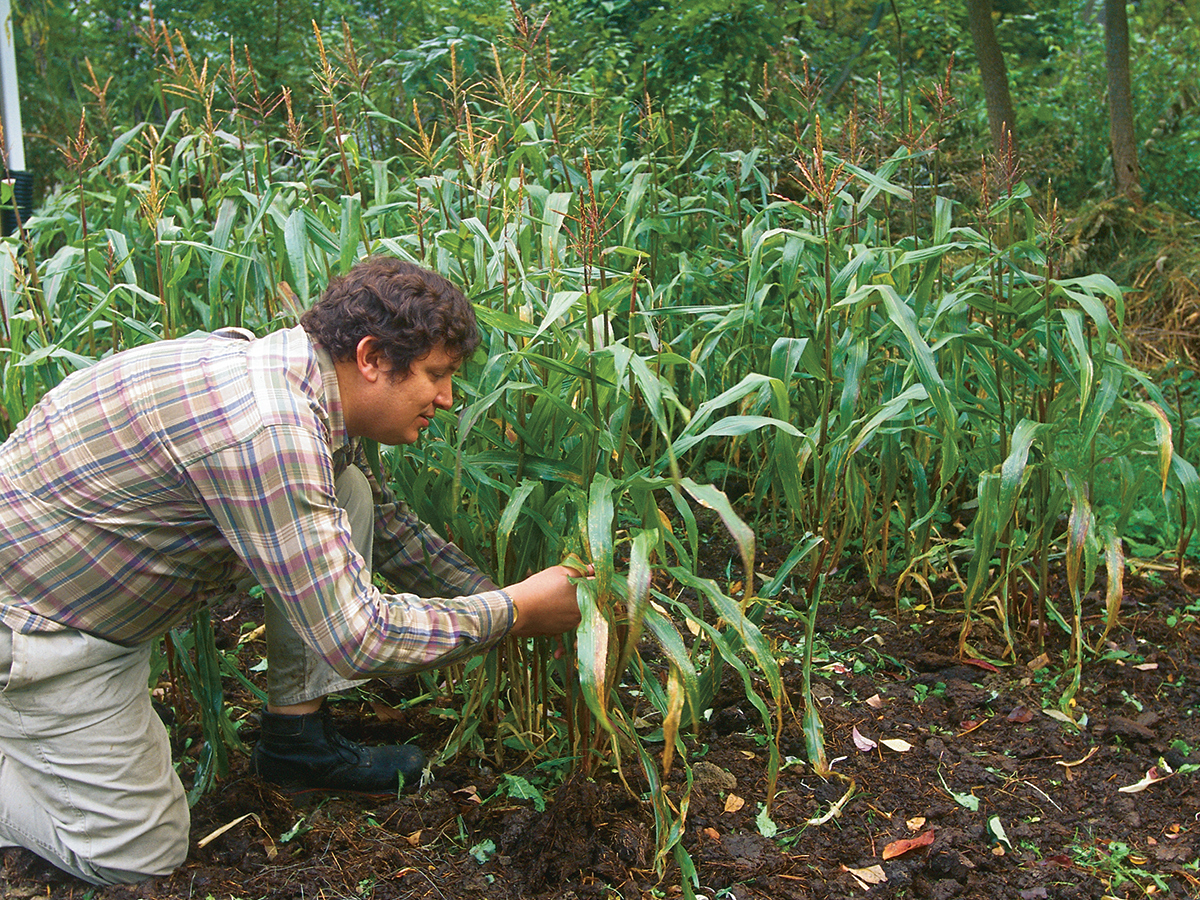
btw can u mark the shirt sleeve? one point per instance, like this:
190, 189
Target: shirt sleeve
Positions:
272, 497
411, 555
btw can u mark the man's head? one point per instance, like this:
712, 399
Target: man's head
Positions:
410, 311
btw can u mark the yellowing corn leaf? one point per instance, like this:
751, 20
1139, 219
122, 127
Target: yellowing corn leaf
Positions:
591, 646
671, 719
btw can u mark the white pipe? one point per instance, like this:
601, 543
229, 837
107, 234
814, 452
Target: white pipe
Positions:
10, 96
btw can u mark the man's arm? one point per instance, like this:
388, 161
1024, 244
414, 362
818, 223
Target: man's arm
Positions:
272, 497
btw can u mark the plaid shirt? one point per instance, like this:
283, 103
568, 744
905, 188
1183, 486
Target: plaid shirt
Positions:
152, 482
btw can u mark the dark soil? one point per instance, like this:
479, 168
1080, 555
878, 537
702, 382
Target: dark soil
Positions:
974, 730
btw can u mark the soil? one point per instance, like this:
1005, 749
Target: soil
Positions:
996, 798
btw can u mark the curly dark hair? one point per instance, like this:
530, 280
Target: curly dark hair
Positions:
410, 310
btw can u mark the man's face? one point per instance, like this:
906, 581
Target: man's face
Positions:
402, 405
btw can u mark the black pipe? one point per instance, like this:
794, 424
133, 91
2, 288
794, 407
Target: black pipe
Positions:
22, 185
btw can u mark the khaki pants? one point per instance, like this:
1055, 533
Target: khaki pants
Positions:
295, 674
86, 779
85, 765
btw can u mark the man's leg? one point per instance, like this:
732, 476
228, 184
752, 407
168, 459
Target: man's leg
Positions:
298, 743
86, 780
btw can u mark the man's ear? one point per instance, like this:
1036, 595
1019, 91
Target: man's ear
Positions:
370, 361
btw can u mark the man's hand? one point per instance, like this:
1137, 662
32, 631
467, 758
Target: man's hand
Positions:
545, 602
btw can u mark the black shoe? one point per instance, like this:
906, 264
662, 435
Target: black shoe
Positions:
308, 752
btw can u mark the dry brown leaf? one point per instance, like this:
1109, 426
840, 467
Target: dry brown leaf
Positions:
1038, 663
916, 823
875, 701
902, 846
387, 713
733, 803
867, 877
414, 839
712, 833
898, 744
470, 793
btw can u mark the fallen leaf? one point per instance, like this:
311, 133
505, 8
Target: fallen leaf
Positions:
1146, 667
748, 754
875, 701
712, 833
1038, 663
981, 664
1020, 715
998, 850
1059, 716
916, 823
733, 803
996, 830
865, 744
470, 793
897, 744
902, 846
1153, 776
387, 713
965, 800
414, 839
867, 877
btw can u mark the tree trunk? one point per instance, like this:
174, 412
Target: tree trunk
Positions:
1120, 101
1002, 118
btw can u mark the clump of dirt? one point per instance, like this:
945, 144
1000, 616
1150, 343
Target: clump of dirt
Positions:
967, 784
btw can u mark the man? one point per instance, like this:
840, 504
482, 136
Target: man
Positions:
146, 485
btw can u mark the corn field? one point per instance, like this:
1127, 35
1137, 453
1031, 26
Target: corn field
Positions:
870, 369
